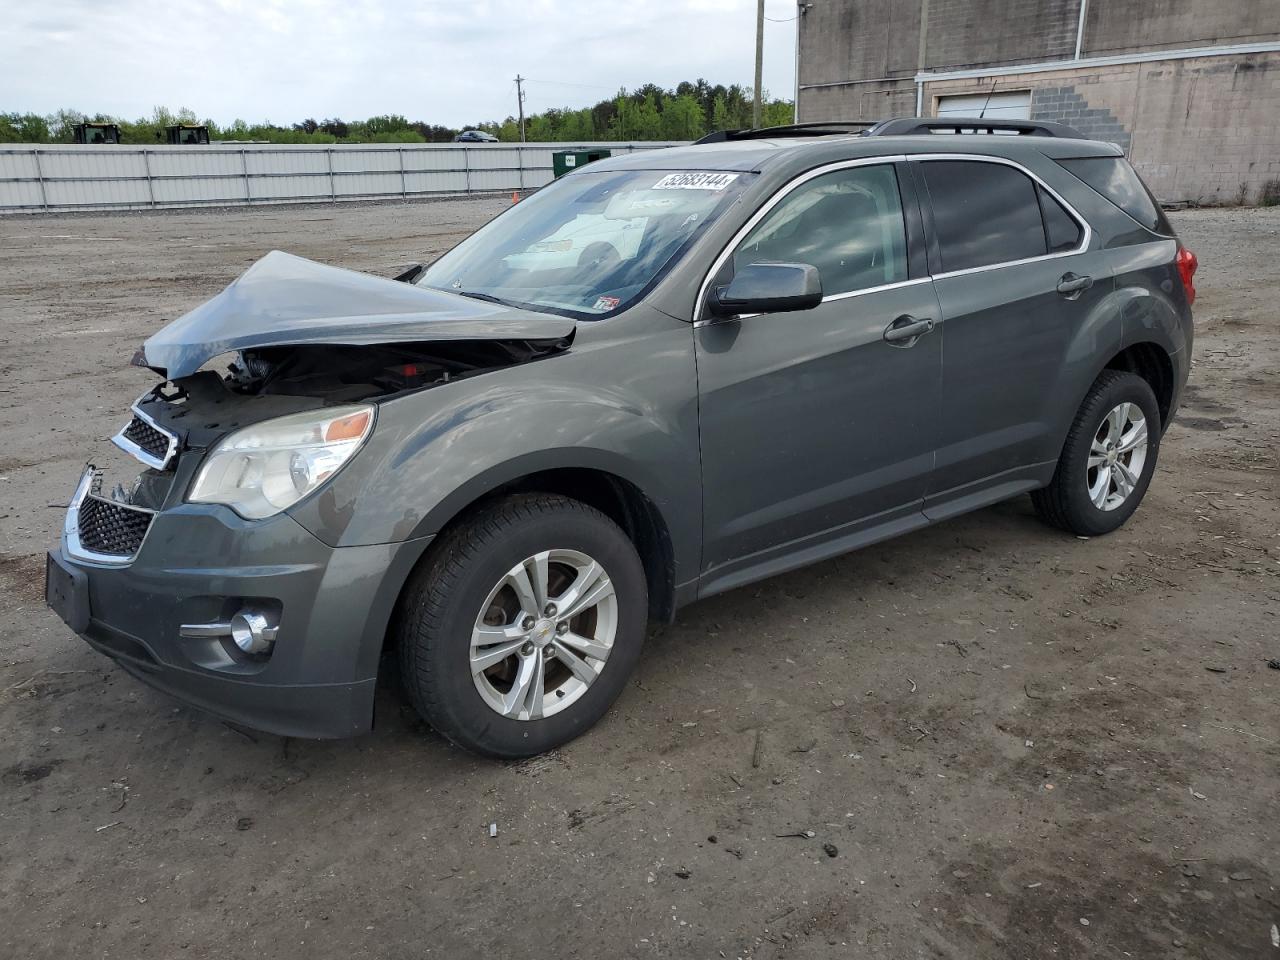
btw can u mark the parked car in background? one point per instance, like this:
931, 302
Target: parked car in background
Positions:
475, 136
664, 376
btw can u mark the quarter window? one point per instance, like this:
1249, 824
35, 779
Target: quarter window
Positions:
985, 213
1116, 180
1060, 230
847, 223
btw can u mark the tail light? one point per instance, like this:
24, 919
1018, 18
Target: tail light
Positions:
1187, 263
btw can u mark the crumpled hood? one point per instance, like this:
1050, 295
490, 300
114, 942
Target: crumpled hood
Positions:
285, 300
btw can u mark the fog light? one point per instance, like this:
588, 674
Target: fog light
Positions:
253, 631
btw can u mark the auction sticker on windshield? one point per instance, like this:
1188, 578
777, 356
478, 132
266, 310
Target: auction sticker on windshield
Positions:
695, 181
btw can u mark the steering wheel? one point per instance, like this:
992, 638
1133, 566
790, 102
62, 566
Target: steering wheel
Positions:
599, 255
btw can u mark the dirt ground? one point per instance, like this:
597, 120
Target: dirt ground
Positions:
1016, 743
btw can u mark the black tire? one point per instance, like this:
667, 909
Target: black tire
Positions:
443, 597
1066, 503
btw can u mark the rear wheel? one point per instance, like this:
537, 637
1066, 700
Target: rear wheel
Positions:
1108, 460
523, 626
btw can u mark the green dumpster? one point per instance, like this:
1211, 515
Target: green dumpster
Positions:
565, 161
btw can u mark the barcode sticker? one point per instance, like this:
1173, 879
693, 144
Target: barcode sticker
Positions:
695, 181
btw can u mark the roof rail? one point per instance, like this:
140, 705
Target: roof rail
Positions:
912, 126
825, 128
899, 127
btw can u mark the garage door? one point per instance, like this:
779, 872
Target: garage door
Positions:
1015, 105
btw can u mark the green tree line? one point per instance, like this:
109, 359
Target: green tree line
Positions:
690, 110
686, 112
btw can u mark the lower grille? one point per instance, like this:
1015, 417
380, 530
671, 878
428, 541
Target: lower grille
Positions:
148, 438
112, 528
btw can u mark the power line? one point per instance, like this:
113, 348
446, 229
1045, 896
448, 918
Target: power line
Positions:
783, 19
566, 83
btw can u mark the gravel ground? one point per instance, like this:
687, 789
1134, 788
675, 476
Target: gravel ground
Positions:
1016, 743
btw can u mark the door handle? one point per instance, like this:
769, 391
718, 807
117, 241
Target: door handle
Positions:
906, 330
1071, 285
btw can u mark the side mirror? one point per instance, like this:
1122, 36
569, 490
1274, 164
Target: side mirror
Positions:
768, 288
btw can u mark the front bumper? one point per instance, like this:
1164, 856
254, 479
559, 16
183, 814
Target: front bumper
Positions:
199, 564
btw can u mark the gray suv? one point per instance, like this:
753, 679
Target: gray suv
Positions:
664, 376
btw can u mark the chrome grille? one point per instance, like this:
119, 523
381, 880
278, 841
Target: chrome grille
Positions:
111, 528
101, 530
143, 439
148, 438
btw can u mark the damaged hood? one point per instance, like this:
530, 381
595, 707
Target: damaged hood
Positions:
283, 300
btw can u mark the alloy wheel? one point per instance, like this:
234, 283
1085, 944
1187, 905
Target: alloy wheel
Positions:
1116, 456
543, 634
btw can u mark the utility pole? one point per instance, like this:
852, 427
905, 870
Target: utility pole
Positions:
755, 103
520, 100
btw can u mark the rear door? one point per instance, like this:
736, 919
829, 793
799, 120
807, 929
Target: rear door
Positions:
815, 426
1015, 279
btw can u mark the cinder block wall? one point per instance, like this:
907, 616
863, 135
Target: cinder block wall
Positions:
1205, 130
863, 101
842, 40
1202, 129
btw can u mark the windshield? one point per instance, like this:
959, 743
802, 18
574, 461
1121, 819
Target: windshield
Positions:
588, 245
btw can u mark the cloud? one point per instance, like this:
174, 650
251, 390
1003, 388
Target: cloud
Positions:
442, 62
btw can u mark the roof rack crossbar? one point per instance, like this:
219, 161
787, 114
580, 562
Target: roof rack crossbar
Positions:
817, 128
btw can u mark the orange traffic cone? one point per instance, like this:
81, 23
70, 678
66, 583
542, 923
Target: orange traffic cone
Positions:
515, 196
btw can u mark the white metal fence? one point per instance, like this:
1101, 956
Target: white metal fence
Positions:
39, 177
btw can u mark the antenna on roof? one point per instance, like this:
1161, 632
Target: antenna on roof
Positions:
987, 103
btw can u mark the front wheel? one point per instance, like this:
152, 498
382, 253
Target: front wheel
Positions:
523, 625
1108, 460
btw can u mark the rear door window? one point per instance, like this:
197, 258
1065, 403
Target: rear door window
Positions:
1118, 182
983, 213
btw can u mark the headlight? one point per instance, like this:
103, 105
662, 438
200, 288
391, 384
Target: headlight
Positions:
262, 469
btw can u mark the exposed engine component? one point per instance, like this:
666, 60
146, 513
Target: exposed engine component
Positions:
341, 373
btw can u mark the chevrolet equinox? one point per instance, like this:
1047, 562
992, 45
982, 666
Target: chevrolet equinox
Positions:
663, 376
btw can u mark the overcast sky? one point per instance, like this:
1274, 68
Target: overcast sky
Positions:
440, 62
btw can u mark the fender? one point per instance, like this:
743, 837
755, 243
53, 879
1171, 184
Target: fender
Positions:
1154, 305
1146, 306
433, 453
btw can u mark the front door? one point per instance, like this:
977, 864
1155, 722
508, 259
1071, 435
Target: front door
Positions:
819, 426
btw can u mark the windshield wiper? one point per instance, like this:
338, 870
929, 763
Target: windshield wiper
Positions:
412, 274
486, 297
513, 304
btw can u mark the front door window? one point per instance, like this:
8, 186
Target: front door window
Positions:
847, 223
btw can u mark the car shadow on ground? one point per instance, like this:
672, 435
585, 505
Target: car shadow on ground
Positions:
872, 575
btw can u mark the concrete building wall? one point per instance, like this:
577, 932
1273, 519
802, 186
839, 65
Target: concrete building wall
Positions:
970, 33
843, 40
856, 41
1200, 129
1128, 26
863, 101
